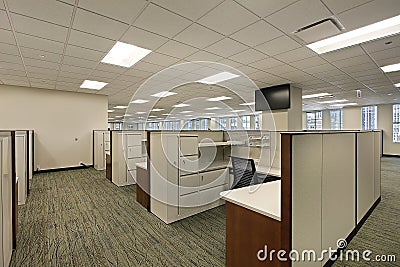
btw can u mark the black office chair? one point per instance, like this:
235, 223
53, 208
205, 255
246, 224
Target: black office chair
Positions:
244, 172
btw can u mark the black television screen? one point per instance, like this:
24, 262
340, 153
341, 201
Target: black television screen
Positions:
277, 97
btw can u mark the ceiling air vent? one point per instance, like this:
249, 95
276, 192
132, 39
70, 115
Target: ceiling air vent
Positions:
319, 30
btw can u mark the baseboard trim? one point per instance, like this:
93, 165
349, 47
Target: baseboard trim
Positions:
391, 156
354, 232
63, 169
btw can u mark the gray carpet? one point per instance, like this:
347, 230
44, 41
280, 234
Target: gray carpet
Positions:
78, 218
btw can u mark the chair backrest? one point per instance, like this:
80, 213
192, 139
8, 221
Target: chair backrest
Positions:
243, 172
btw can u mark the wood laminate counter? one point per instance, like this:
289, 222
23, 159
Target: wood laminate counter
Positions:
263, 198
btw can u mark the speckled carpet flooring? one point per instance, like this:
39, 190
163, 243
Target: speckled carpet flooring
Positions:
79, 218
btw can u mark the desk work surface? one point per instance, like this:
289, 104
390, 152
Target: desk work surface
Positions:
142, 165
262, 198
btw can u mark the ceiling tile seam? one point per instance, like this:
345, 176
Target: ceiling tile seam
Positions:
36, 18
67, 38
379, 67
355, 7
282, 9
105, 16
15, 38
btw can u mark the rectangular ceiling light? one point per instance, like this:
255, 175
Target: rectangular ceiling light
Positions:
187, 111
125, 55
213, 108
88, 84
248, 104
120, 107
139, 101
220, 77
333, 101
157, 109
182, 105
110, 110
238, 110
164, 94
397, 85
391, 68
370, 32
315, 95
220, 98
140, 112
342, 105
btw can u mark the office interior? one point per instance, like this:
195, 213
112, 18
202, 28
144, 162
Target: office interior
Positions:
199, 133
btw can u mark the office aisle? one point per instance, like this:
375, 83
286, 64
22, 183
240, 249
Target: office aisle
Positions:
78, 218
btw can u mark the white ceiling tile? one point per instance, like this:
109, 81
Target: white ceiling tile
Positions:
298, 15
9, 49
369, 13
6, 37
4, 22
226, 47
382, 44
203, 56
84, 53
160, 59
266, 63
263, 9
102, 75
343, 53
198, 36
90, 41
21, 73
47, 71
142, 38
278, 45
247, 69
43, 85
39, 43
41, 63
228, 18
191, 9
352, 61
166, 23
15, 82
41, 55
230, 63
10, 58
79, 62
317, 68
257, 33
39, 28
296, 54
11, 66
42, 76
145, 66
74, 69
111, 68
281, 69
48, 10
248, 56
122, 10
390, 53
73, 75
177, 49
89, 22
338, 6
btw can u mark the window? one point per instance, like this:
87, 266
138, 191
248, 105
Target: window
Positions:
245, 120
233, 123
153, 125
336, 119
221, 123
369, 118
188, 125
204, 124
177, 125
196, 125
117, 125
257, 122
314, 120
396, 123
167, 125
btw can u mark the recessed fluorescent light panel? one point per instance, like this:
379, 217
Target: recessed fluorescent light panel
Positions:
125, 55
110, 110
315, 95
157, 109
342, 105
182, 105
120, 107
248, 104
164, 94
213, 108
220, 77
139, 101
370, 32
186, 111
140, 112
237, 110
333, 101
391, 68
220, 98
397, 85
87, 84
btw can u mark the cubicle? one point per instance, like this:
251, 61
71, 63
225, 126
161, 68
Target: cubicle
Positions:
127, 148
101, 148
330, 183
24, 140
8, 197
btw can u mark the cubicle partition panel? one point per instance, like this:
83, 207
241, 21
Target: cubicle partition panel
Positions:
22, 164
101, 147
330, 183
7, 203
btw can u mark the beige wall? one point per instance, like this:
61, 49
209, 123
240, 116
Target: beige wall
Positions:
63, 122
352, 118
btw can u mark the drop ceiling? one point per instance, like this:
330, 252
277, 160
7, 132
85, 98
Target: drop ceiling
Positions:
58, 44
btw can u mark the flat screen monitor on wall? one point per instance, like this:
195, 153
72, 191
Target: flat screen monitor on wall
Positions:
277, 97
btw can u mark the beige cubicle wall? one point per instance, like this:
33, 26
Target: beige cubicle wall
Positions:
101, 147
24, 162
7, 171
329, 185
126, 149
